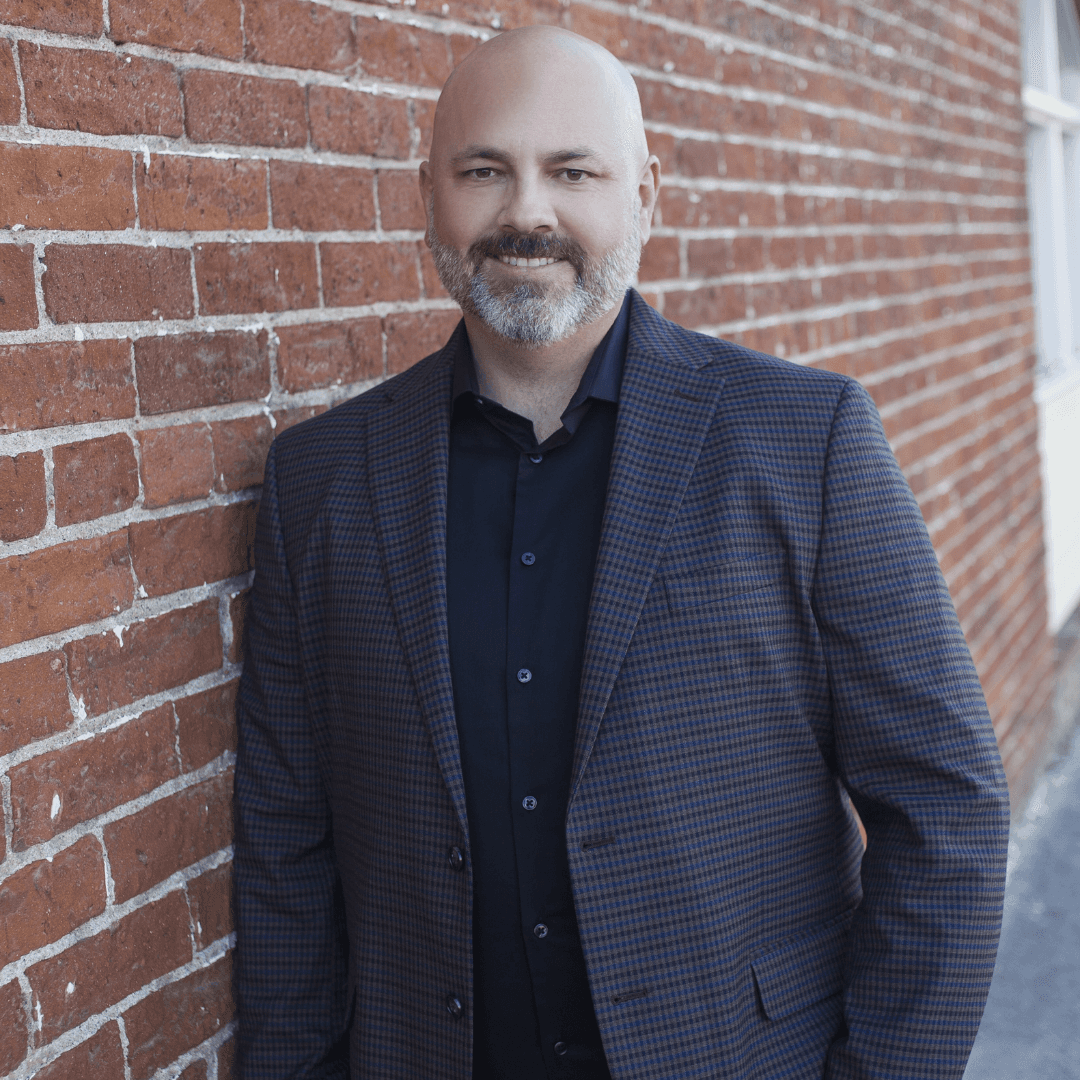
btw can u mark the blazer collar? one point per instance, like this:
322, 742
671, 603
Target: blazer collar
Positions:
667, 400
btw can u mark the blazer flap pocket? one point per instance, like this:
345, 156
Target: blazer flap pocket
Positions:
804, 970
719, 580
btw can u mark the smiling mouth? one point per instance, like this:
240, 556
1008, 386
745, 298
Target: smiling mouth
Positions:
513, 260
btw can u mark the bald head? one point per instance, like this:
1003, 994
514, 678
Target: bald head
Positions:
540, 188
543, 73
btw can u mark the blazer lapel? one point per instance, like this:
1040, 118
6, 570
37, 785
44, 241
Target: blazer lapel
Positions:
666, 404
408, 454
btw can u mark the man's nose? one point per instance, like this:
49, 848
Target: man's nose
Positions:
529, 207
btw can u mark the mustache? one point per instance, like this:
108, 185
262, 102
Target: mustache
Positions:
527, 246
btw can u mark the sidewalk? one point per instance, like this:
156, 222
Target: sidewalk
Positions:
1031, 1028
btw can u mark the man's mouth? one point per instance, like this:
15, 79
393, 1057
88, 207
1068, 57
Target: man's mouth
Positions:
513, 260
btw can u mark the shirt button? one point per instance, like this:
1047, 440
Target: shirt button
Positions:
528, 558
454, 1006
536, 458
560, 1048
529, 802
524, 675
540, 930
456, 859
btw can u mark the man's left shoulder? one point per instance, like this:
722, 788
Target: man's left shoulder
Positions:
745, 371
651, 332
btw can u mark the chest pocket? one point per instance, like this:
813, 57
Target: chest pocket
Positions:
723, 580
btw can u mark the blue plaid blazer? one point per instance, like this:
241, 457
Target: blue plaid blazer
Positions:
769, 637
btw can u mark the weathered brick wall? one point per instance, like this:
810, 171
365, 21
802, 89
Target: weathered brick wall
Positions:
209, 229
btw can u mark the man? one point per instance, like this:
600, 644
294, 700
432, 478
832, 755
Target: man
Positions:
568, 648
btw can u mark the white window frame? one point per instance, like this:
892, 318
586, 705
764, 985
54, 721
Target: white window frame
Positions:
1052, 111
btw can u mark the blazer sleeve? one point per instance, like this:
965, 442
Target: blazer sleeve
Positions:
917, 755
291, 951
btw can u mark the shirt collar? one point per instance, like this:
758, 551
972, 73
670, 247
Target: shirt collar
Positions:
602, 378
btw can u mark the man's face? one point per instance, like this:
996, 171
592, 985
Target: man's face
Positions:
535, 209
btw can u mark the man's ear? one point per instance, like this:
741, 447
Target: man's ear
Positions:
427, 193
648, 189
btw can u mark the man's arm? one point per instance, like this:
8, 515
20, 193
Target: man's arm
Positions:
918, 756
291, 945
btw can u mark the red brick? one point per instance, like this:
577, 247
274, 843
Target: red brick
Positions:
99, 92
413, 335
227, 1061
287, 418
210, 899
190, 193
351, 122
243, 110
295, 34
195, 1071
13, 1027
660, 259
101, 1057
430, 276
256, 277
423, 122
22, 496
157, 654
33, 699
320, 198
9, 86
78, 782
82, 17
200, 26
206, 725
327, 354
185, 371
400, 205
110, 282
63, 586
240, 448
238, 605
71, 382
177, 464
190, 549
168, 835
44, 901
408, 54
366, 273
104, 969
18, 303
178, 1017
512, 12
66, 187
94, 477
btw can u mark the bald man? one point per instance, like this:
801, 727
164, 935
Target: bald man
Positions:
570, 650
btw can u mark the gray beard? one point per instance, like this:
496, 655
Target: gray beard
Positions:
531, 313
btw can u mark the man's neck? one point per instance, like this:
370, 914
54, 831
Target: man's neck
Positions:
537, 381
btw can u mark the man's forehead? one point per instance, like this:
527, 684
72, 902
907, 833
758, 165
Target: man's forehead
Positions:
537, 93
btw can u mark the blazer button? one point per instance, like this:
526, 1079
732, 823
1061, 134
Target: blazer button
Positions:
540, 930
454, 1006
561, 1048
455, 858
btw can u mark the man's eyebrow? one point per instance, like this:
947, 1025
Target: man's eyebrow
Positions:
575, 154
484, 153
491, 153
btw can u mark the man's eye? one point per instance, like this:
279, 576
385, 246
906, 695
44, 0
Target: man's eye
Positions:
574, 175
483, 174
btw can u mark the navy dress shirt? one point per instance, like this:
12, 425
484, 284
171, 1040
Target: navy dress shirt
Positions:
523, 530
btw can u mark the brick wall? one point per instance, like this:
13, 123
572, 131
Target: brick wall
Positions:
209, 229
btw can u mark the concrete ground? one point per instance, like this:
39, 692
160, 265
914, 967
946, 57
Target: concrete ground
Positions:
1031, 1027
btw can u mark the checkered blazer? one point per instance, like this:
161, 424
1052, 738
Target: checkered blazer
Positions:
769, 636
